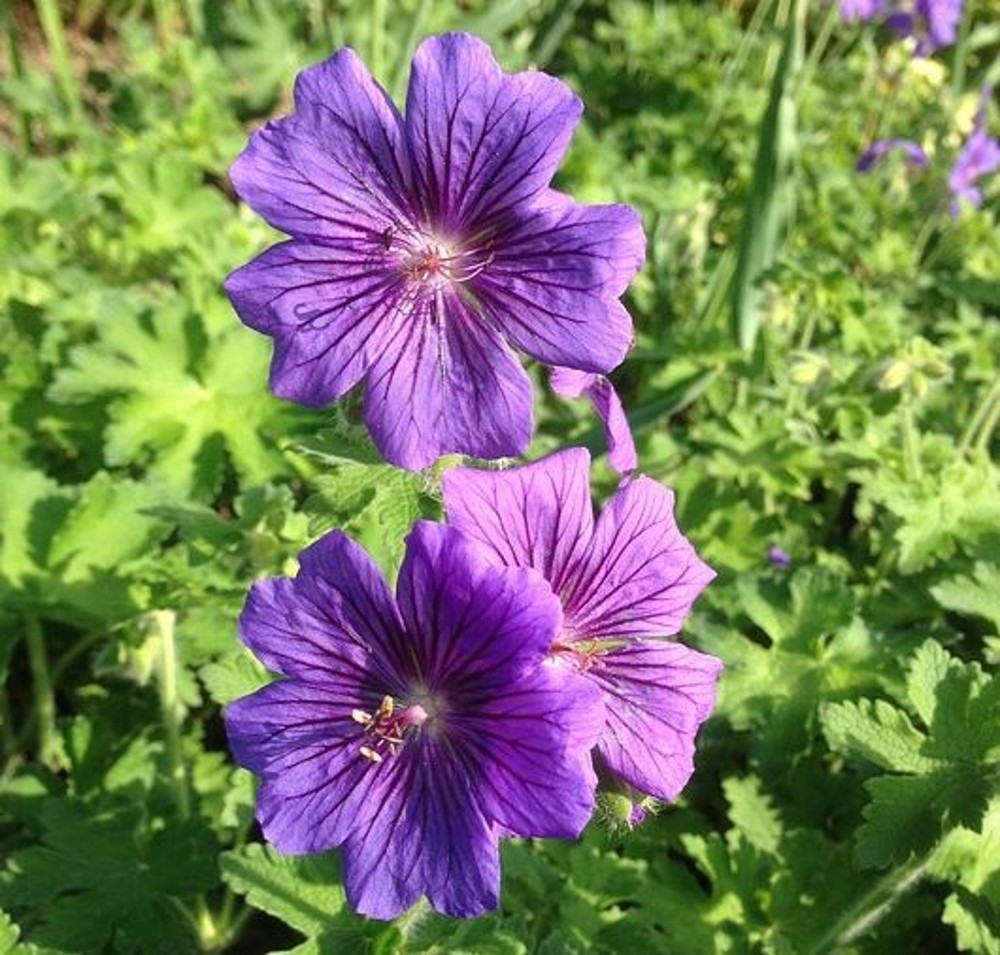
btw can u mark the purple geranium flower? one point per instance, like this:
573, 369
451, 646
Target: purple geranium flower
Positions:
630, 575
413, 731
915, 155
423, 248
851, 10
932, 23
979, 157
605, 401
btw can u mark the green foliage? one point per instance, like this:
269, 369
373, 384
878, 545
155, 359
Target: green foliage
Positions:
826, 381
941, 776
97, 880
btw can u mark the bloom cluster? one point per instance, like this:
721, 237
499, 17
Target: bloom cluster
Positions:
978, 157
526, 651
932, 24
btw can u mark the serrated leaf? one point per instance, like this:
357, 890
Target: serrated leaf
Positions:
976, 922
82, 542
752, 812
100, 878
31, 507
977, 595
908, 814
233, 675
877, 732
815, 604
305, 892
178, 419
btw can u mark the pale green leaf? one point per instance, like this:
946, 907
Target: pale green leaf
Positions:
878, 732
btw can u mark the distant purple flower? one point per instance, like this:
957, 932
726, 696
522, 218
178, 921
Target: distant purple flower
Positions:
979, 157
915, 156
423, 248
851, 10
413, 731
608, 406
932, 23
630, 575
779, 558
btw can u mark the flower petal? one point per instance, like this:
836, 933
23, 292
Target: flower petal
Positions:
553, 283
482, 141
531, 744
640, 575
447, 383
536, 515
440, 846
570, 383
331, 312
338, 166
657, 695
317, 625
301, 739
468, 619
339, 575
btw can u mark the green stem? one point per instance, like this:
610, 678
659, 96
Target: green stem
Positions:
45, 701
170, 709
414, 30
163, 621
819, 47
8, 740
873, 906
982, 412
988, 426
911, 454
378, 39
959, 56
13, 51
55, 37
410, 919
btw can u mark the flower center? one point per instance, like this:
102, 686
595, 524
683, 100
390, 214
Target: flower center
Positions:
385, 730
432, 262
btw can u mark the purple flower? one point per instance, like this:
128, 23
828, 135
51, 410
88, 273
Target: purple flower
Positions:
573, 384
979, 157
915, 156
630, 575
851, 10
413, 731
423, 248
932, 23
779, 557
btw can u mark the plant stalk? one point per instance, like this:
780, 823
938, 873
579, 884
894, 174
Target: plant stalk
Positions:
45, 701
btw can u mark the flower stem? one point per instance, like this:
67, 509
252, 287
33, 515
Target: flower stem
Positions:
16, 65
989, 425
983, 412
873, 906
170, 709
163, 620
911, 454
45, 701
378, 39
55, 37
409, 920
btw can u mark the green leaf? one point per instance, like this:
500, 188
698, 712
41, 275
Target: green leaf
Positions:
977, 595
976, 922
31, 507
796, 615
908, 814
180, 421
101, 878
752, 812
878, 732
771, 198
305, 892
